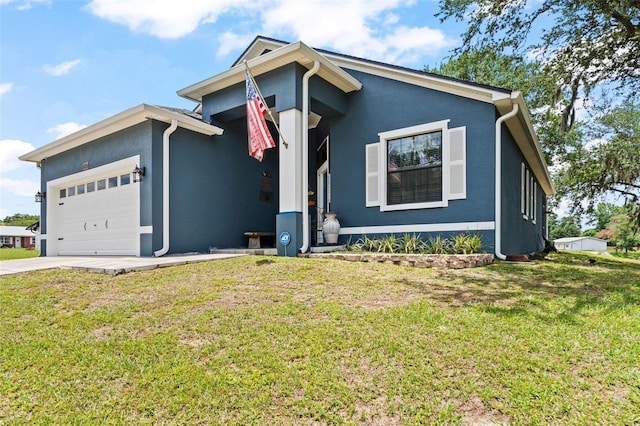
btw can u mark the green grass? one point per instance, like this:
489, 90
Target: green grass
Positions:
258, 340
628, 255
17, 253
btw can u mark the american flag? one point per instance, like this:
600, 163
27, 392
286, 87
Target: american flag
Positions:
259, 135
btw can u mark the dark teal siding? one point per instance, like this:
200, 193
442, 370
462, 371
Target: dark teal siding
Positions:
384, 105
519, 235
215, 190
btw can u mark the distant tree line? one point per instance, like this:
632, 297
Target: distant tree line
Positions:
20, 219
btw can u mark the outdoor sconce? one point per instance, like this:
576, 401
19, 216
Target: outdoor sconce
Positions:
138, 173
40, 196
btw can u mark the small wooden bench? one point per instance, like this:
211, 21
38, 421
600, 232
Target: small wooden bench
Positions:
254, 238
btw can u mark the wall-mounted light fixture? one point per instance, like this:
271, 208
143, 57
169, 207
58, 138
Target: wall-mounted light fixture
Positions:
40, 196
138, 174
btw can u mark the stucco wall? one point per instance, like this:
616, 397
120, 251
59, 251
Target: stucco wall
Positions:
215, 190
384, 105
519, 235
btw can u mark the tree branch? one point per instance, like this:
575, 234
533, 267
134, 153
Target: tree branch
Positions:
627, 193
622, 19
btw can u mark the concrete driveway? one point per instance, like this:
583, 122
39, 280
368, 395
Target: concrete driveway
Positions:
112, 265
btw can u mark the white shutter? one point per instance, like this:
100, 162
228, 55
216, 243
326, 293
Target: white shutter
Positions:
372, 175
457, 163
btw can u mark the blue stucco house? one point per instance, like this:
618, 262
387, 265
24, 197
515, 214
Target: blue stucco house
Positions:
391, 149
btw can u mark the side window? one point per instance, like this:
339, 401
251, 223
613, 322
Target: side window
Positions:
416, 167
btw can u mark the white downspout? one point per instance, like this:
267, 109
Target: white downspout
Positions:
305, 155
498, 179
165, 189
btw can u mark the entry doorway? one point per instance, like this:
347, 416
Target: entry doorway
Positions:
323, 179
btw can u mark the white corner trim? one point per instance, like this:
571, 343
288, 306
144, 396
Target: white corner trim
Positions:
419, 227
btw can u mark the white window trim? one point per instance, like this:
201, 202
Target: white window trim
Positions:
534, 198
523, 193
527, 199
442, 126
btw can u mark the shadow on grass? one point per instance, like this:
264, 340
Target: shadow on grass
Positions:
561, 287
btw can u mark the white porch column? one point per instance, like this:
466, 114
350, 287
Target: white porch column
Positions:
289, 218
290, 173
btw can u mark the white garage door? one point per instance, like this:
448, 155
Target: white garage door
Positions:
99, 216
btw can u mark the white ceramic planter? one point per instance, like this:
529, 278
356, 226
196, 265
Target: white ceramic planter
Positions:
330, 228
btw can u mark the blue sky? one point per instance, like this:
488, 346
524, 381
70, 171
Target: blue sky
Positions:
68, 64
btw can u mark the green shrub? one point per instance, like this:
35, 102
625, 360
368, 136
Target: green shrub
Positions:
439, 245
414, 244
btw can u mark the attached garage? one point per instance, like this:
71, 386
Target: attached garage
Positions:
91, 205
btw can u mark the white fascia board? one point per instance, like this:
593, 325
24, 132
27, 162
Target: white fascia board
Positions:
115, 123
416, 78
294, 52
257, 47
521, 129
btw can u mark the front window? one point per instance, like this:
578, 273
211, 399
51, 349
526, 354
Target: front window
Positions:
5, 240
414, 169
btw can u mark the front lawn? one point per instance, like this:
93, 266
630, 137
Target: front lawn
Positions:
265, 340
17, 253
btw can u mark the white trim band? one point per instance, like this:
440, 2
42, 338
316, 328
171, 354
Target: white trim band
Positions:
420, 227
146, 229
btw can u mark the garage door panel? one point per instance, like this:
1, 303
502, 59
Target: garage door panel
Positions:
101, 222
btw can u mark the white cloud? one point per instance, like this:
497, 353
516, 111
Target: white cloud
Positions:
10, 150
25, 4
61, 69
391, 19
5, 87
356, 30
20, 187
65, 129
166, 18
364, 28
230, 42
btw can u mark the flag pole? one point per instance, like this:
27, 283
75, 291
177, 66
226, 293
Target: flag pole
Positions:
286, 145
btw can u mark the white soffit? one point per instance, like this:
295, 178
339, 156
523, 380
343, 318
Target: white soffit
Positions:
294, 52
118, 122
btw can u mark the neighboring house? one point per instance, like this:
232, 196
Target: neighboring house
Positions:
581, 244
17, 237
390, 149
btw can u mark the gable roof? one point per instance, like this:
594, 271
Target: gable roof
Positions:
260, 64
574, 239
265, 54
186, 119
15, 231
262, 46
